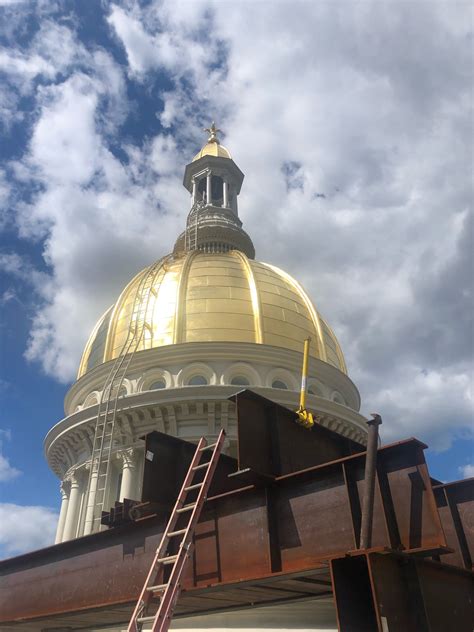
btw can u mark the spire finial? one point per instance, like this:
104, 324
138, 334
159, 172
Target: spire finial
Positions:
213, 133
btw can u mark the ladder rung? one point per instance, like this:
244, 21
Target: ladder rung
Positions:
167, 560
157, 588
186, 508
145, 619
208, 447
195, 486
199, 467
172, 534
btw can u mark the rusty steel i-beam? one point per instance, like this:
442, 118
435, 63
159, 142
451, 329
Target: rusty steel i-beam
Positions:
369, 477
281, 523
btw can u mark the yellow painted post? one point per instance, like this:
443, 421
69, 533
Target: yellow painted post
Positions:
304, 375
304, 417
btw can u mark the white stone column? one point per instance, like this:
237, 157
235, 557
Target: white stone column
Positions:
129, 469
194, 192
70, 524
90, 499
226, 194
209, 188
64, 488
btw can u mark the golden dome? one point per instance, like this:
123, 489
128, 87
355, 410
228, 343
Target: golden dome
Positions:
203, 297
213, 149
213, 146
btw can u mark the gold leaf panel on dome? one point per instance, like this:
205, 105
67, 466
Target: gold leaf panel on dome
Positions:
226, 297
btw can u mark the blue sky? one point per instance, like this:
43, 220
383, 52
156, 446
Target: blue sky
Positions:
351, 122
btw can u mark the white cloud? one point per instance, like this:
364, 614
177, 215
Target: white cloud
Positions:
73, 103
369, 105
20, 268
467, 471
25, 528
141, 52
27, 66
5, 191
92, 209
7, 471
156, 38
54, 50
7, 296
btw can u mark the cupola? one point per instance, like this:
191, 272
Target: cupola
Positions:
214, 182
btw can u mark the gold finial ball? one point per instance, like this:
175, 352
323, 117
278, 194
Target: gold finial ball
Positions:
212, 133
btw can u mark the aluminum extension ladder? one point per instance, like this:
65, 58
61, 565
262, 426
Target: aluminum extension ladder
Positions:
192, 221
103, 443
168, 591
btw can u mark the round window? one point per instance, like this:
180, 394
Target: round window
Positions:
156, 385
197, 380
239, 380
279, 384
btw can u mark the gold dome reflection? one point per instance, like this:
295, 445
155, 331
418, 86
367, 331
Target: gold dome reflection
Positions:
226, 297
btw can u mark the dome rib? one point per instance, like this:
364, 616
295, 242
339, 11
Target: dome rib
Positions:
310, 307
181, 312
84, 364
114, 320
257, 308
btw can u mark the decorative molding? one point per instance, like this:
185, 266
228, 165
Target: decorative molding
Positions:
338, 398
182, 355
245, 370
279, 373
152, 375
193, 370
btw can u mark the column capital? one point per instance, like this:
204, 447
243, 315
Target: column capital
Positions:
94, 465
128, 457
71, 479
65, 487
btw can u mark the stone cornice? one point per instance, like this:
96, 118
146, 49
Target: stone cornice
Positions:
168, 410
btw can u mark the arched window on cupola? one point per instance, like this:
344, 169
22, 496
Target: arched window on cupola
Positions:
217, 191
202, 187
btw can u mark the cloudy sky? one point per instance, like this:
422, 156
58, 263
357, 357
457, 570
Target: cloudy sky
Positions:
352, 122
